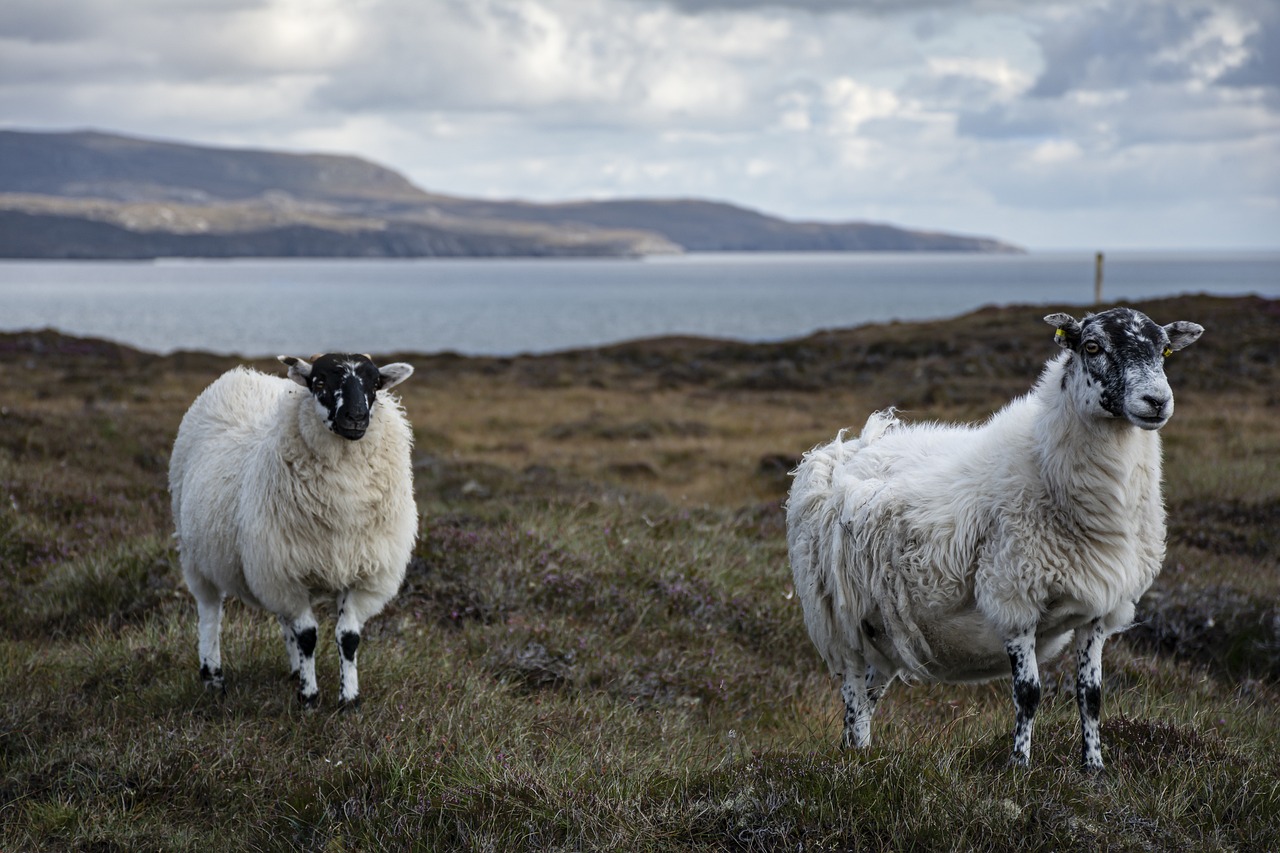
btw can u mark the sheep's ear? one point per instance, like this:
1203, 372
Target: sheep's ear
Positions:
1068, 334
1183, 334
299, 370
393, 374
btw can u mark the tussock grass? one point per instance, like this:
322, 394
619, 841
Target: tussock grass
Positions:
596, 646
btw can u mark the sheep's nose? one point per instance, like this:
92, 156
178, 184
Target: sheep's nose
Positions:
348, 420
351, 427
1157, 404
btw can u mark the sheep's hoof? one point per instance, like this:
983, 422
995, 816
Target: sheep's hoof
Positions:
309, 703
349, 706
849, 742
213, 680
1019, 760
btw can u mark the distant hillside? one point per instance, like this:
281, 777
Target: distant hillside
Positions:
97, 195
23, 235
709, 226
100, 165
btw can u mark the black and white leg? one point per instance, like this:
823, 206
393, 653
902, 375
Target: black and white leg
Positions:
353, 609
861, 690
290, 647
1088, 647
1026, 693
877, 683
305, 636
209, 606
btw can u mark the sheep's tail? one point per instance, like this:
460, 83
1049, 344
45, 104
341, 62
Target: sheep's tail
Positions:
834, 577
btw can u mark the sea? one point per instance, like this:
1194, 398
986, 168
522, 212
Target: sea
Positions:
481, 306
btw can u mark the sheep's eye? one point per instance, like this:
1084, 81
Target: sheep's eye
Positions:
317, 384
1092, 348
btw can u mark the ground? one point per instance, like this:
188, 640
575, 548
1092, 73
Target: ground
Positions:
597, 645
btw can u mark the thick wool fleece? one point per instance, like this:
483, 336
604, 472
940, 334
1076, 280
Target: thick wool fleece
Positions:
271, 507
921, 549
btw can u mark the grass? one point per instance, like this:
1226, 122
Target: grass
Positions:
596, 646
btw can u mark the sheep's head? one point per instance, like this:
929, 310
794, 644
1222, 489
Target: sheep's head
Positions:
345, 387
1117, 362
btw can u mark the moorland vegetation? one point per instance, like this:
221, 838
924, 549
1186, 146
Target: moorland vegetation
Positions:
597, 645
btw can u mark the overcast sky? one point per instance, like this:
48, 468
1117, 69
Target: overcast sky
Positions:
1074, 124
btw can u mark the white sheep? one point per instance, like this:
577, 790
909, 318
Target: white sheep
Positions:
282, 490
956, 553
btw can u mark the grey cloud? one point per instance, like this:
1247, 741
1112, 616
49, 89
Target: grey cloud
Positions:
1123, 75
1143, 115
54, 21
952, 92
75, 20
1262, 68
1126, 44
62, 44
1113, 48
578, 68
697, 7
831, 7
1162, 177
1013, 121
946, 106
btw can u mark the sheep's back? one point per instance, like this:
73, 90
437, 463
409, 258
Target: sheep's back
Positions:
232, 409
225, 419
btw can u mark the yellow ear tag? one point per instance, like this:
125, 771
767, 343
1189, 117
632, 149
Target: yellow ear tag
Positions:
1058, 335
1167, 352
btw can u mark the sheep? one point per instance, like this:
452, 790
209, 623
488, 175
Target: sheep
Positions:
285, 489
958, 553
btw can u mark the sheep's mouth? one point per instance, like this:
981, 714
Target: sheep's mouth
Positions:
1143, 422
351, 433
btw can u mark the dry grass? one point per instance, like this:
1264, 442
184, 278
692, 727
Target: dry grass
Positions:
595, 647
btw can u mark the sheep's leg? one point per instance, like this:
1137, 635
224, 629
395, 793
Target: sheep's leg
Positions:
350, 620
290, 647
877, 683
305, 635
861, 690
1026, 693
1088, 645
209, 606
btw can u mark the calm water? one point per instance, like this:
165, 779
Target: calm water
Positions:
481, 306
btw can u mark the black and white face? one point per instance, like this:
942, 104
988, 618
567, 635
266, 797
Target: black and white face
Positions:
344, 388
1118, 362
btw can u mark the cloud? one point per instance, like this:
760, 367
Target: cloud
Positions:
889, 8
988, 116
1260, 68
1148, 42
567, 64
1135, 89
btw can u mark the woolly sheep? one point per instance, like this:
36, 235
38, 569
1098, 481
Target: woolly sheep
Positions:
285, 489
958, 553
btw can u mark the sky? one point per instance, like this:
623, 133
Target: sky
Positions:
1080, 124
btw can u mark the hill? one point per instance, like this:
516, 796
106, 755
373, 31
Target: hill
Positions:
120, 168
96, 195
